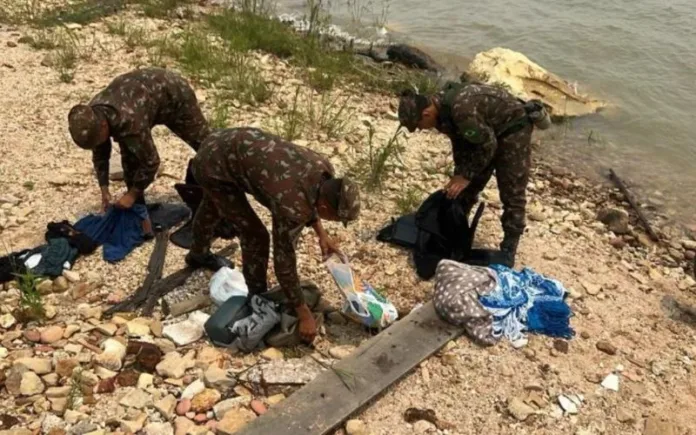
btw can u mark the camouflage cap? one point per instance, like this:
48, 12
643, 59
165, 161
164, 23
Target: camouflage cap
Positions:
84, 126
411, 106
349, 201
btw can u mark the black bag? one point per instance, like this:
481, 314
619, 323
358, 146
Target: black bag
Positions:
440, 230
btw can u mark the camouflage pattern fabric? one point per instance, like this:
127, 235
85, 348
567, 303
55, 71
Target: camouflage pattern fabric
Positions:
135, 102
283, 177
474, 121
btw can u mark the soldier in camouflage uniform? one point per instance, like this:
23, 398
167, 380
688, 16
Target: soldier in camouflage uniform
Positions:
297, 185
126, 110
490, 131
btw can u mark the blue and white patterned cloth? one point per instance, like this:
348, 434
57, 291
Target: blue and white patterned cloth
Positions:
527, 302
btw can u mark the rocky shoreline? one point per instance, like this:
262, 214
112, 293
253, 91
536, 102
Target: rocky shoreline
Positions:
81, 373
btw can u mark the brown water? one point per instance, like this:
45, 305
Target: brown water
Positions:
640, 55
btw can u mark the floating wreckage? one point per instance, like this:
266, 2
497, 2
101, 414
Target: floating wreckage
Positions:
527, 80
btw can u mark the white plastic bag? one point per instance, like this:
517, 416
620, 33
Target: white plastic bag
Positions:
227, 283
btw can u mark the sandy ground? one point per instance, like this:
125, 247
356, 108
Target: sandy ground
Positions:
466, 385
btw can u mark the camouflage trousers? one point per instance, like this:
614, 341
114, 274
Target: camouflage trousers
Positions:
511, 165
190, 125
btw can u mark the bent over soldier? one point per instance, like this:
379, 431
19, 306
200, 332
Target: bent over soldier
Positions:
491, 131
127, 110
296, 184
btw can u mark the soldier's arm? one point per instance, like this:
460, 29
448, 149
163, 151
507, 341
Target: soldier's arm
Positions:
479, 145
100, 159
144, 149
285, 234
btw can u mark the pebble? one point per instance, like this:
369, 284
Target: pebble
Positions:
145, 380
519, 409
222, 408
624, 416
611, 382
341, 352
137, 399
71, 276
173, 365
218, 378
30, 384
423, 426
60, 284
7, 321
108, 329
592, 289
561, 345
159, 429
234, 420
258, 407
136, 328
585, 335
550, 256
200, 418
356, 427
275, 399
40, 366
51, 334
568, 405
33, 335
272, 354
45, 287
193, 389
65, 367
205, 401
166, 406
70, 330
183, 407
606, 347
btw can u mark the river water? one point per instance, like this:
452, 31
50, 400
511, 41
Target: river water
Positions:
639, 55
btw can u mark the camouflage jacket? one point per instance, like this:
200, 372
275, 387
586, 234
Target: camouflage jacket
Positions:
282, 176
133, 103
473, 118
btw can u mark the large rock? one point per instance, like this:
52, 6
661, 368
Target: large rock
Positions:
616, 220
40, 366
234, 420
174, 365
31, 384
527, 80
189, 330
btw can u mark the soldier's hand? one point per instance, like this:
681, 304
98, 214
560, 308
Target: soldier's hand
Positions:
328, 247
105, 200
307, 324
455, 186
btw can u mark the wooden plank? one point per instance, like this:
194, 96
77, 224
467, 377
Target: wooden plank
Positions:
195, 302
323, 404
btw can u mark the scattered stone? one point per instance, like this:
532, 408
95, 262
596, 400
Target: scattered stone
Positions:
86, 312
166, 406
71, 276
136, 328
218, 378
156, 328
116, 297
45, 287
272, 354
60, 284
200, 418
568, 405
205, 401
51, 422
159, 429
183, 426
72, 417
193, 389
59, 404
423, 426
112, 356
615, 220
133, 426
208, 356
183, 407
30, 384
242, 391
275, 399
655, 426
356, 427
70, 330
618, 243
561, 345
145, 380
40, 366
188, 331
258, 407
50, 312
58, 391
234, 420
127, 378
594, 377
611, 382
585, 335
591, 289
341, 352
225, 406
606, 347
550, 256
50, 379
33, 335
51, 334
519, 409
108, 329
624, 416
104, 373
65, 367
7, 321
137, 399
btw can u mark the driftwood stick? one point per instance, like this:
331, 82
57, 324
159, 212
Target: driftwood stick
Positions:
620, 184
155, 267
176, 279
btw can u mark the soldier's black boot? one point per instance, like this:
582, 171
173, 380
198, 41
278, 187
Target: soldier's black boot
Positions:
509, 247
207, 261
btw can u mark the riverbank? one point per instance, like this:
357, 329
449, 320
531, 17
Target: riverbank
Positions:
623, 287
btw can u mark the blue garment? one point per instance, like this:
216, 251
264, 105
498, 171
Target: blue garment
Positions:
120, 231
527, 301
